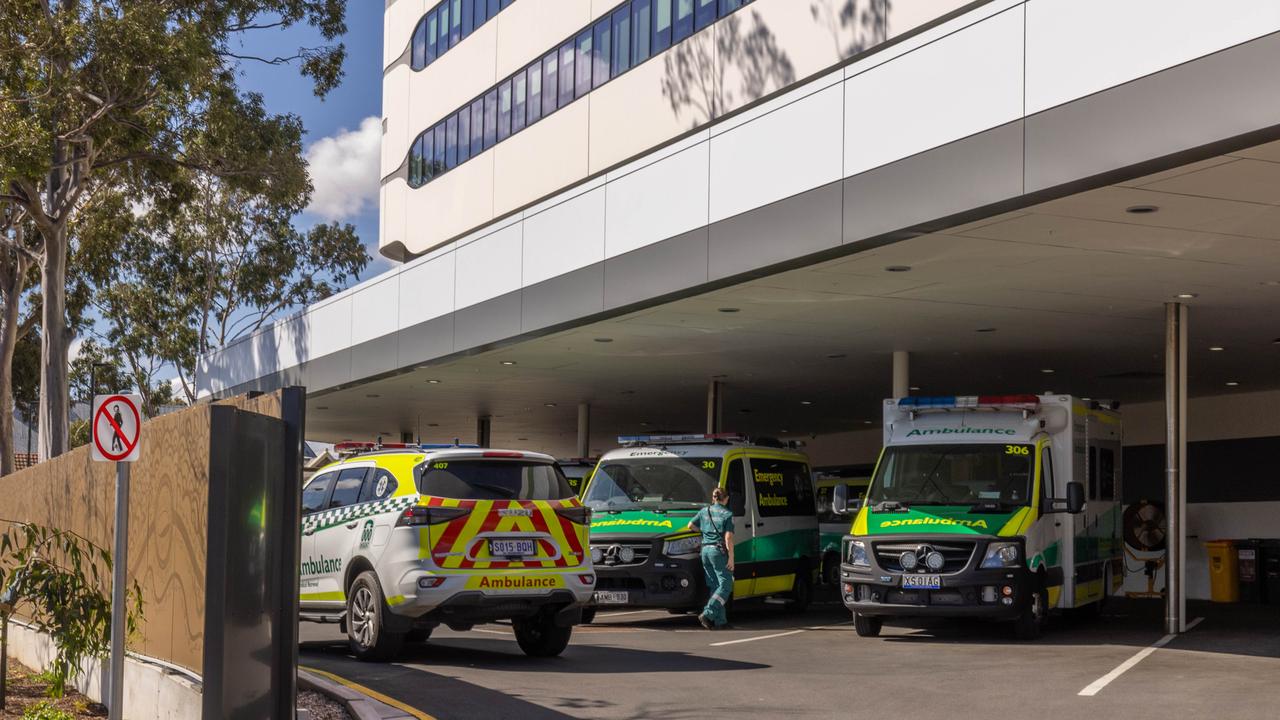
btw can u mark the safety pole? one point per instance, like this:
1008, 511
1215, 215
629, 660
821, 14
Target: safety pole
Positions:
1175, 401
119, 608
901, 374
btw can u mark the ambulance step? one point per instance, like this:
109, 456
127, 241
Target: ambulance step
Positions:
328, 618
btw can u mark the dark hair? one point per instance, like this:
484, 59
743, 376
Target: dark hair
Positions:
719, 495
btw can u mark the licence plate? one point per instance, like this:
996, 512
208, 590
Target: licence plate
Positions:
921, 582
511, 548
606, 597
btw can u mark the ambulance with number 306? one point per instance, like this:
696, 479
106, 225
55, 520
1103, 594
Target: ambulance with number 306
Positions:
1000, 507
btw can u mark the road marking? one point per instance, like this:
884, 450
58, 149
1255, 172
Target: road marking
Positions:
778, 635
492, 632
412, 711
620, 614
1097, 685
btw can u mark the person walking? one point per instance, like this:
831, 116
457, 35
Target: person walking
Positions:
715, 522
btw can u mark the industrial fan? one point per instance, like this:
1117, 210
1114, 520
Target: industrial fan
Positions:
1146, 531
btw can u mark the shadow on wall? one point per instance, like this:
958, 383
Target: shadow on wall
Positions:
854, 25
753, 52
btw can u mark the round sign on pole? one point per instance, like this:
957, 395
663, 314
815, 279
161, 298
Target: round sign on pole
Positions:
117, 427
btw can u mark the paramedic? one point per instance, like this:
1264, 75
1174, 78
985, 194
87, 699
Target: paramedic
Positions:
716, 524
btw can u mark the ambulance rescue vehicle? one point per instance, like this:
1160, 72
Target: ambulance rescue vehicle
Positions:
978, 508
397, 540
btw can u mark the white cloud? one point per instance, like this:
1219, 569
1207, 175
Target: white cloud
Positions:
344, 170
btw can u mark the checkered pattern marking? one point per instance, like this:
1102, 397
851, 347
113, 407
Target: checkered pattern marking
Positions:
332, 517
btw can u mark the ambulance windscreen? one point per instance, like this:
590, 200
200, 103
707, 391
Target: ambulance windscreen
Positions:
986, 476
493, 480
661, 483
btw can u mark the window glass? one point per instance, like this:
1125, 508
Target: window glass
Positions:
316, 492
418, 57
380, 485
426, 148
706, 13
490, 118
622, 41
783, 487
601, 52
438, 169
566, 74
654, 483
641, 24
535, 92
583, 64
477, 127
683, 26
468, 17
493, 8
736, 485
1093, 473
451, 142
493, 480
443, 43
519, 91
728, 6
464, 134
1048, 485
550, 71
347, 490
455, 23
415, 163
432, 32
971, 474
504, 110
481, 13
506, 3
1106, 474
661, 25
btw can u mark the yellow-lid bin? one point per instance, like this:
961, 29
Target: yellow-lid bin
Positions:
1224, 585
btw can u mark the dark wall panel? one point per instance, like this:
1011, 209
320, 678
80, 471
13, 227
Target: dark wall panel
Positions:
1217, 471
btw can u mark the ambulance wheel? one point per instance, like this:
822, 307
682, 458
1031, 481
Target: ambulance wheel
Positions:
367, 633
1030, 624
588, 616
801, 592
867, 626
539, 636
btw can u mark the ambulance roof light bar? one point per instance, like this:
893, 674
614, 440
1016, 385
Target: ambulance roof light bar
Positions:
682, 439
359, 448
947, 403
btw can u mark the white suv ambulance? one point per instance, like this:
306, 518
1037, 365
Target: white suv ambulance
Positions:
397, 540
977, 508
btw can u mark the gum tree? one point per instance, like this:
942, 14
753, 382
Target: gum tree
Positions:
130, 93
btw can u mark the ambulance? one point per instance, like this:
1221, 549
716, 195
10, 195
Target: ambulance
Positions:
832, 526
643, 495
400, 539
1000, 507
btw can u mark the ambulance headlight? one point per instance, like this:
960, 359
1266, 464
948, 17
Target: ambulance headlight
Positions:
909, 560
626, 554
597, 554
1002, 555
678, 547
856, 553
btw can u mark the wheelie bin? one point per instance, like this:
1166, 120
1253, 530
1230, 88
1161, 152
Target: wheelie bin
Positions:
1224, 585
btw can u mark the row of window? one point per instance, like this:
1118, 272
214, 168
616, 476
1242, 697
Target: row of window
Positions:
349, 486
447, 24
632, 33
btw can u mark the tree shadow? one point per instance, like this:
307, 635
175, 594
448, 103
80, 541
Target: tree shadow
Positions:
855, 26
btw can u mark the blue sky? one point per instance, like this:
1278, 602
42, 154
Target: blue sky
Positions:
342, 152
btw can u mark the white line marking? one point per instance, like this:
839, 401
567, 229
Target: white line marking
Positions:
620, 614
761, 637
1096, 686
492, 632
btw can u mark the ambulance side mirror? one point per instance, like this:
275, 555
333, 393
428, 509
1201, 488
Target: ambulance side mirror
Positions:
840, 500
1075, 498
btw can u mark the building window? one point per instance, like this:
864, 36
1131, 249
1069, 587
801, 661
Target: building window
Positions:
622, 41
683, 26
446, 25
535, 92
566, 74
432, 31
451, 142
661, 25
601, 52
490, 119
439, 153
550, 71
464, 134
418, 56
504, 111
641, 31
455, 22
519, 91
583, 63
443, 43
477, 127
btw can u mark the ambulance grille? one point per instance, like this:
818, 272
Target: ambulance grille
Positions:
955, 554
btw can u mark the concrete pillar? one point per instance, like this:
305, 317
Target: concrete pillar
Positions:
584, 430
901, 373
715, 407
483, 427
1175, 438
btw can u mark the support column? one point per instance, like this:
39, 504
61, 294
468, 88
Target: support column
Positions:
584, 430
1175, 439
483, 431
901, 373
715, 407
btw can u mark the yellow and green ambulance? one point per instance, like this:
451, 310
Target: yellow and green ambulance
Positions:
643, 495
1000, 507
832, 525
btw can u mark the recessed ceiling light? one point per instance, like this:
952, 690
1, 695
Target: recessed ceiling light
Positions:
806, 402
1216, 348
1232, 383
373, 395
784, 430
1187, 296
548, 404
1047, 371
433, 382
914, 388
1142, 209
898, 268
645, 423
604, 340
866, 422
836, 356
508, 363
728, 309
985, 330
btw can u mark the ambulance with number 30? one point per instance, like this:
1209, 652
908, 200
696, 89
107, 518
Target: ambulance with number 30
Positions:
1000, 507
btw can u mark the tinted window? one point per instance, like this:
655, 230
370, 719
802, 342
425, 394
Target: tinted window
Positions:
347, 490
418, 58
661, 25
683, 25
504, 110
477, 127
566, 74
443, 43
415, 163
493, 8
971, 474
783, 487
493, 480
439, 153
455, 22
451, 142
519, 92
706, 13
481, 13
464, 134
583, 63
1093, 473
641, 31
433, 29
468, 17
490, 119
736, 485
601, 52
380, 485
1106, 474
654, 482
622, 41
535, 92
316, 492
550, 73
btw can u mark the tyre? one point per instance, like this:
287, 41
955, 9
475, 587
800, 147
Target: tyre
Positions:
367, 633
539, 636
588, 616
1030, 624
831, 569
802, 592
867, 626
419, 635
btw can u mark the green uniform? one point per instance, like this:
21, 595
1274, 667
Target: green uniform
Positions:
714, 521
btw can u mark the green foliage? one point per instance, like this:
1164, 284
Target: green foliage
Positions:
56, 580
45, 711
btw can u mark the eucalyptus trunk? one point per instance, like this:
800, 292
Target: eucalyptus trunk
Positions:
54, 416
15, 271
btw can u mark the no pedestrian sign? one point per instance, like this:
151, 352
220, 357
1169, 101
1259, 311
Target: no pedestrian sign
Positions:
117, 427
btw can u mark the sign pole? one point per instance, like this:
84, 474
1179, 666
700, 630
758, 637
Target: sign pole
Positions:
119, 582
